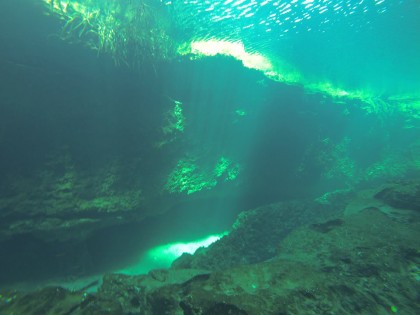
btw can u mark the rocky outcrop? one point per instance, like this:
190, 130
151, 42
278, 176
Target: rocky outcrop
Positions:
403, 195
367, 262
256, 234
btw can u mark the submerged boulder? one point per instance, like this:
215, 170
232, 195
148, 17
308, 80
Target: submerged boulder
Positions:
402, 195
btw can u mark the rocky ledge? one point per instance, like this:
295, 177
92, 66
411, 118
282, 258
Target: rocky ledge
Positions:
363, 262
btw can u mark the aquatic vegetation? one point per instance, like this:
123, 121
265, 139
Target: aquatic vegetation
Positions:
174, 123
190, 178
227, 48
226, 168
281, 71
61, 187
175, 119
137, 32
124, 201
391, 166
186, 177
336, 162
132, 32
409, 105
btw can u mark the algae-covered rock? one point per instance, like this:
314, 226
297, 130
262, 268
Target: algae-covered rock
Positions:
365, 262
404, 195
360, 264
256, 234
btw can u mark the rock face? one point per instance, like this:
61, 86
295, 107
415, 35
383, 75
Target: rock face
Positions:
405, 195
365, 263
256, 234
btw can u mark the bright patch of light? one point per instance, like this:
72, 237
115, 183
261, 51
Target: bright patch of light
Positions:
176, 250
233, 49
162, 256
286, 74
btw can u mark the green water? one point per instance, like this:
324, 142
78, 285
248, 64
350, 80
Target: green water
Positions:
115, 113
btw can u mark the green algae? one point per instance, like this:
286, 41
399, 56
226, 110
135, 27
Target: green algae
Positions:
190, 177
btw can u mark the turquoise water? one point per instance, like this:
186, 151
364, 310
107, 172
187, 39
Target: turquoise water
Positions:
370, 45
130, 125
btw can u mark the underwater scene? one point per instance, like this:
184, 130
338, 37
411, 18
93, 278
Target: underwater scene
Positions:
205, 157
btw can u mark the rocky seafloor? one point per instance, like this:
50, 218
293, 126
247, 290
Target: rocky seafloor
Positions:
352, 252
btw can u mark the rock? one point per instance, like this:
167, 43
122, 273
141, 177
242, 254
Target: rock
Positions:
402, 195
362, 263
52, 300
256, 235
